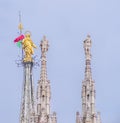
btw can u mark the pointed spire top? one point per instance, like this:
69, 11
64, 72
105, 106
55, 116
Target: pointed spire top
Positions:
20, 26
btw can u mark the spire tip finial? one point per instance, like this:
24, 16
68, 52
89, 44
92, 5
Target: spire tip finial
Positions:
20, 26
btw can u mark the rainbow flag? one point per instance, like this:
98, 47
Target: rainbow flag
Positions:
18, 40
21, 37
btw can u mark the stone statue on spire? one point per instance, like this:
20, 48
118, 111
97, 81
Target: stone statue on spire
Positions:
44, 45
87, 46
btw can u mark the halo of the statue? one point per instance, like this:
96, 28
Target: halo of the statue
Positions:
28, 32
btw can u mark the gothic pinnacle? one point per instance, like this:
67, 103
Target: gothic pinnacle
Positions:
89, 114
43, 88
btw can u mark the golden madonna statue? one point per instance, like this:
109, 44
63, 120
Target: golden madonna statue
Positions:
28, 46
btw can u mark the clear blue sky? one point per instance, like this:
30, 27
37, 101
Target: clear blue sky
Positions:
66, 24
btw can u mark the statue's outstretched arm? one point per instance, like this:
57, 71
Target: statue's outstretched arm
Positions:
34, 45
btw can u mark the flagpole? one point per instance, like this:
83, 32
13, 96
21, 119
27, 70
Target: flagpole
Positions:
20, 27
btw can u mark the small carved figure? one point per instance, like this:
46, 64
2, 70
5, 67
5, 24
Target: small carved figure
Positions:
87, 46
44, 45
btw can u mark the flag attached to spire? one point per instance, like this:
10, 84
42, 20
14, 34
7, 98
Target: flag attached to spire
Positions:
21, 37
18, 40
